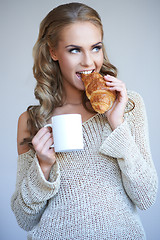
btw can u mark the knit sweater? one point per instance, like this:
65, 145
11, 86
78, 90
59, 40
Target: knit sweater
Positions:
93, 193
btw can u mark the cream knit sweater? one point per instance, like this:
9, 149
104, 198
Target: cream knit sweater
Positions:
93, 193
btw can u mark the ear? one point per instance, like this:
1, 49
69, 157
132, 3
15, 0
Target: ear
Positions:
53, 54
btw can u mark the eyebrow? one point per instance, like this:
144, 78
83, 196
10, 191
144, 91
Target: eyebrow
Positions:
76, 46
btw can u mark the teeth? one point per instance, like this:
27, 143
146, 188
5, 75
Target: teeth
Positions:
86, 72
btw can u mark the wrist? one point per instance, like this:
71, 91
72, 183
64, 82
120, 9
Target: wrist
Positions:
46, 170
45, 167
115, 124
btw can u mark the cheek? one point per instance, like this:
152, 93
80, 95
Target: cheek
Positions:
100, 60
66, 63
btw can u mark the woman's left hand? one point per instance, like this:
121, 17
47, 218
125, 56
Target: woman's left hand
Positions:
116, 113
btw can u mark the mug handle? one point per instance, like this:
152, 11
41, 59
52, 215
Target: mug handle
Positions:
49, 125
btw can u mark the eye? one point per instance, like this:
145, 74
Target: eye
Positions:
74, 50
97, 48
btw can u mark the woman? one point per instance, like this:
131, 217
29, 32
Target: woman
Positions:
93, 193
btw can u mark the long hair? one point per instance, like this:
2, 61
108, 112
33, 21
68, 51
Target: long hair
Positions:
49, 89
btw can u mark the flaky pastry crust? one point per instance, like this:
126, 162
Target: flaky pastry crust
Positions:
97, 92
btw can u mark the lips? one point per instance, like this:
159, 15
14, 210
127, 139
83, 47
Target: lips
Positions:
83, 72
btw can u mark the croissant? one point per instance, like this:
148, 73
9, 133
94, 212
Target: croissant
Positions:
97, 92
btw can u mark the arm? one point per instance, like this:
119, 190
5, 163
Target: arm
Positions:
33, 190
129, 143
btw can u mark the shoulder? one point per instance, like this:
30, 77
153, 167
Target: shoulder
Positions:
22, 132
139, 110
23, 118
137, 99
135, 96
22, 123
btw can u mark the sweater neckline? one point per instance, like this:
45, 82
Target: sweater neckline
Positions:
90, 119
32, 152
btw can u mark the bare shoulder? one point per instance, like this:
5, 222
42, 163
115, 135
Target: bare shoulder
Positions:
22, 132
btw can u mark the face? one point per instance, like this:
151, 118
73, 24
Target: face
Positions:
79, 50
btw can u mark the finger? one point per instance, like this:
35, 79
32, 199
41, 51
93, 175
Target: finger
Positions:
120, 89
111, 78
40, 144
115, 84
116, 87
39, 135
42, 132
48, 144
47, 149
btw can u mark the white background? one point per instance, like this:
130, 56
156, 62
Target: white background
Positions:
132, 40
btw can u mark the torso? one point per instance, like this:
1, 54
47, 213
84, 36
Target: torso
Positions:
91, 202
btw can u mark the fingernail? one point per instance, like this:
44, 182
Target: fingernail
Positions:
107, 76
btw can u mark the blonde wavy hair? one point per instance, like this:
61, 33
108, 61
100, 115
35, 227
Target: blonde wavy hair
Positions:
49, 88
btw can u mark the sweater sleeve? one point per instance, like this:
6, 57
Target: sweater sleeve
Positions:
32, 190
129, 144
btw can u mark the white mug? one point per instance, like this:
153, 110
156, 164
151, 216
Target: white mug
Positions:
67, 132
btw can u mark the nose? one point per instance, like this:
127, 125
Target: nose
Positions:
87, 60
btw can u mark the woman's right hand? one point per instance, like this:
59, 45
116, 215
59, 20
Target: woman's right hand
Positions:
46, 155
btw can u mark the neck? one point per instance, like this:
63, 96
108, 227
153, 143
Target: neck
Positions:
72, 103
72, 96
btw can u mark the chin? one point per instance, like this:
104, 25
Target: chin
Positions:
81, 88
